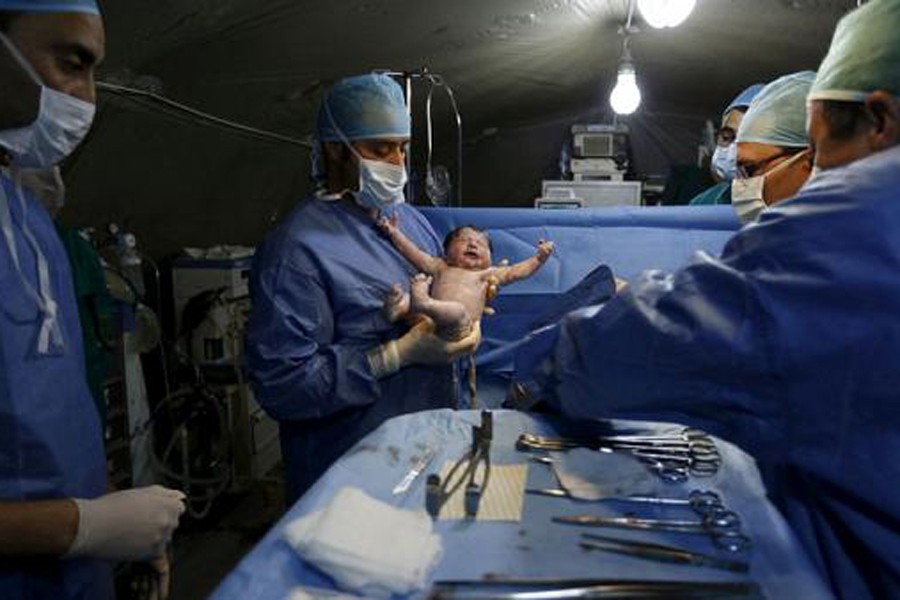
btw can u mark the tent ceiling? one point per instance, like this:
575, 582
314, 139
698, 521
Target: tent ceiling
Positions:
264, 63
522, 71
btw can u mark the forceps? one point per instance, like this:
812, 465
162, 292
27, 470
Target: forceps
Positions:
437, 492
660, 552
703, 502
724, 527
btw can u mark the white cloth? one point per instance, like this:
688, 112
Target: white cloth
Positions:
591, 475
367, 546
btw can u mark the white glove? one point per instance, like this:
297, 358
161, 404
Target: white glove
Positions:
420, 346
133, 524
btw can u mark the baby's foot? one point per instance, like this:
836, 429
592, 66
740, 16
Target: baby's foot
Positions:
396, 303
419, 287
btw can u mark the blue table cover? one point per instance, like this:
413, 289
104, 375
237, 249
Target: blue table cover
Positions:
628, 240
535, 547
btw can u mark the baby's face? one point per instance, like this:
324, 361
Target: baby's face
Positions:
469, 250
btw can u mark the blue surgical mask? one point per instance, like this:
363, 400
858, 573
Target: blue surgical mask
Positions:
380, 183
61, 124
724, 162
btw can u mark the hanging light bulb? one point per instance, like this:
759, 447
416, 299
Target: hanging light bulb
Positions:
665, 13
626, 95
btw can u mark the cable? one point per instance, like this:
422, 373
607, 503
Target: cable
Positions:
201, 116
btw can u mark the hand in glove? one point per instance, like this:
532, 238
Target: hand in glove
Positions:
132, 524
420, 346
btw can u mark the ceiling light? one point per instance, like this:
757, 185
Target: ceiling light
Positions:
625, 97
665, 13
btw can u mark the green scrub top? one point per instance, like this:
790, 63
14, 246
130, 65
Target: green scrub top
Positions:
717, 194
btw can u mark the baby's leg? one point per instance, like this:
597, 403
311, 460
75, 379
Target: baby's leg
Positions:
396, 304
450, 317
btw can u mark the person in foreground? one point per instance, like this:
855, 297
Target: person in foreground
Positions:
58, 524
324, 359
788, 344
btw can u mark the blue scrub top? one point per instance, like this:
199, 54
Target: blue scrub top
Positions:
51, 441
789, 345
317, 287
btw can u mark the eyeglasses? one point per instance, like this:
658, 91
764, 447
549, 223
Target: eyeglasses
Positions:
725, 136
748, 170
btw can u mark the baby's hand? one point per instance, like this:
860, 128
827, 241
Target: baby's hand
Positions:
544, 250
389, 225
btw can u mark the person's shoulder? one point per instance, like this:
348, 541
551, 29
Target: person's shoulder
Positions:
410, 216
719, 193
872, 175
291, 234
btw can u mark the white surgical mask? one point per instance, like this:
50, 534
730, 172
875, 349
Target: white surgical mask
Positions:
380, 183
61, 124
724, 161
747, 198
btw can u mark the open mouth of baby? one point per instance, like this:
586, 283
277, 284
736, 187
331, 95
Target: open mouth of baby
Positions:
471, 254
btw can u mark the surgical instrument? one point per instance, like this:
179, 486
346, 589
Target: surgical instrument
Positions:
724, 527
702, 502
419, 464
672, 461
563, 589
668, 472
660, 552
437, 492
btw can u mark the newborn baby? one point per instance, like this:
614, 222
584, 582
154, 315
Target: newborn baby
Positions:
452, 290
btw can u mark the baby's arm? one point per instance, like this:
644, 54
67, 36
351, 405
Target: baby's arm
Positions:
527, 267
423, 261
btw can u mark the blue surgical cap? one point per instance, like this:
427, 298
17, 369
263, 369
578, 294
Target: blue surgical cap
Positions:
777, 115
744, 99
363, 107
82, 6
864, 55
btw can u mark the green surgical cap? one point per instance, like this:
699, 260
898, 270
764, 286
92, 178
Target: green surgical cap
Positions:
864, 55
777, 115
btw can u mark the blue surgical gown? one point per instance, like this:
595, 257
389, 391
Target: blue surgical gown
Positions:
789, 345
317, 287
51, 441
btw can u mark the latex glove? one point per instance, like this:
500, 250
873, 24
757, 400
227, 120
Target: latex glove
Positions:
420, 346
129, 525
